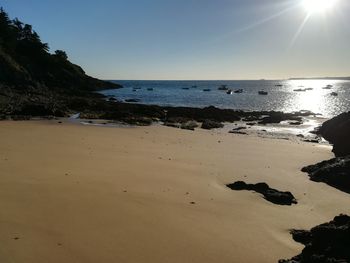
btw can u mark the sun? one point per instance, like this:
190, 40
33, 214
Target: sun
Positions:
318, 6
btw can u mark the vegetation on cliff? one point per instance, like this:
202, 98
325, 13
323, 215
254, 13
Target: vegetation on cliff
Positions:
30, 74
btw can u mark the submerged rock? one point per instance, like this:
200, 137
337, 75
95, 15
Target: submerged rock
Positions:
334, 172
270, 194
326, 243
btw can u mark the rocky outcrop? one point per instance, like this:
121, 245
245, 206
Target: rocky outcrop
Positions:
189, 125
334, 172
337, 132
210, 124
270, 194
326, 243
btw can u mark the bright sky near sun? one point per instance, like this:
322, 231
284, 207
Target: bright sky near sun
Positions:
195, 39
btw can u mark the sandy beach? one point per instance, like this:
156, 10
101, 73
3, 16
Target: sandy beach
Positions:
74, 193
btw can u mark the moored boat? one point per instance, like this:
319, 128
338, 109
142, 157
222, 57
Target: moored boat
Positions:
263, 92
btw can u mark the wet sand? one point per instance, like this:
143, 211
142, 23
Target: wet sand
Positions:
75, 193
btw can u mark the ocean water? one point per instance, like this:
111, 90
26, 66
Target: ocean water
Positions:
281, 94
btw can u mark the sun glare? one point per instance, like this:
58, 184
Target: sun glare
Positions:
318, 6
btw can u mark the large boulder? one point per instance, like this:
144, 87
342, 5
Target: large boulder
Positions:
326, 243
337, 132
334, 172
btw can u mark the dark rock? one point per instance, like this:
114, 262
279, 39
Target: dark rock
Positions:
238, 132
296, 123
190, 125
337, 132
239, 128
270, 194
209, 124
334, 172
139, 121
132, 100
172, 124
277, 117
326, 243
251, 118
311, 140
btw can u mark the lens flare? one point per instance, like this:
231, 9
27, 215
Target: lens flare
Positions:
318, 6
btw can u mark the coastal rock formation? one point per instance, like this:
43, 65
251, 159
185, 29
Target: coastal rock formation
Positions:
334, 172
277, 117
270, 194
337, 132
189, 125
326, 243
35, 82
210, 124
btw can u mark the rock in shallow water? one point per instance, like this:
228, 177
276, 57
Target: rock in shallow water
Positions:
326, 243
270, 194
334, 172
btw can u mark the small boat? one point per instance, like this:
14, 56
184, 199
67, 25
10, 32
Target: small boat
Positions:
134, 90
150, 89
278, 85
262, 92
309, 89
229, 92
239, 91
194, 86
206, 89
223, 87
334, 94
186, 88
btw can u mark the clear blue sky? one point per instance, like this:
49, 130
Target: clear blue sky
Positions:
193, 39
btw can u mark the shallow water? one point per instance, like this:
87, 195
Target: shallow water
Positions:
281, 95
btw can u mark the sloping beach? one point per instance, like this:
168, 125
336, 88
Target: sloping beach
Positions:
75, 193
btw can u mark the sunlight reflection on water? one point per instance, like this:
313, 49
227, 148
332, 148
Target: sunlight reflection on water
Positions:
281, 94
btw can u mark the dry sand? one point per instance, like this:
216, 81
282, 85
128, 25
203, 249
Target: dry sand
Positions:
74, 193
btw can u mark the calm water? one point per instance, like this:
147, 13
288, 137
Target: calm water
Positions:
279, 98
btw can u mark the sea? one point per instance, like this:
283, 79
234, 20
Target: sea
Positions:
326, 97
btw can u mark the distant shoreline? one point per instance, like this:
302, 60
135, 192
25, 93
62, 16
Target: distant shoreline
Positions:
322, 78
204, 80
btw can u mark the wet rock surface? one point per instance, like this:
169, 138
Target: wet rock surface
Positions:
270, 194
334, 172
337, 132
326, 243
